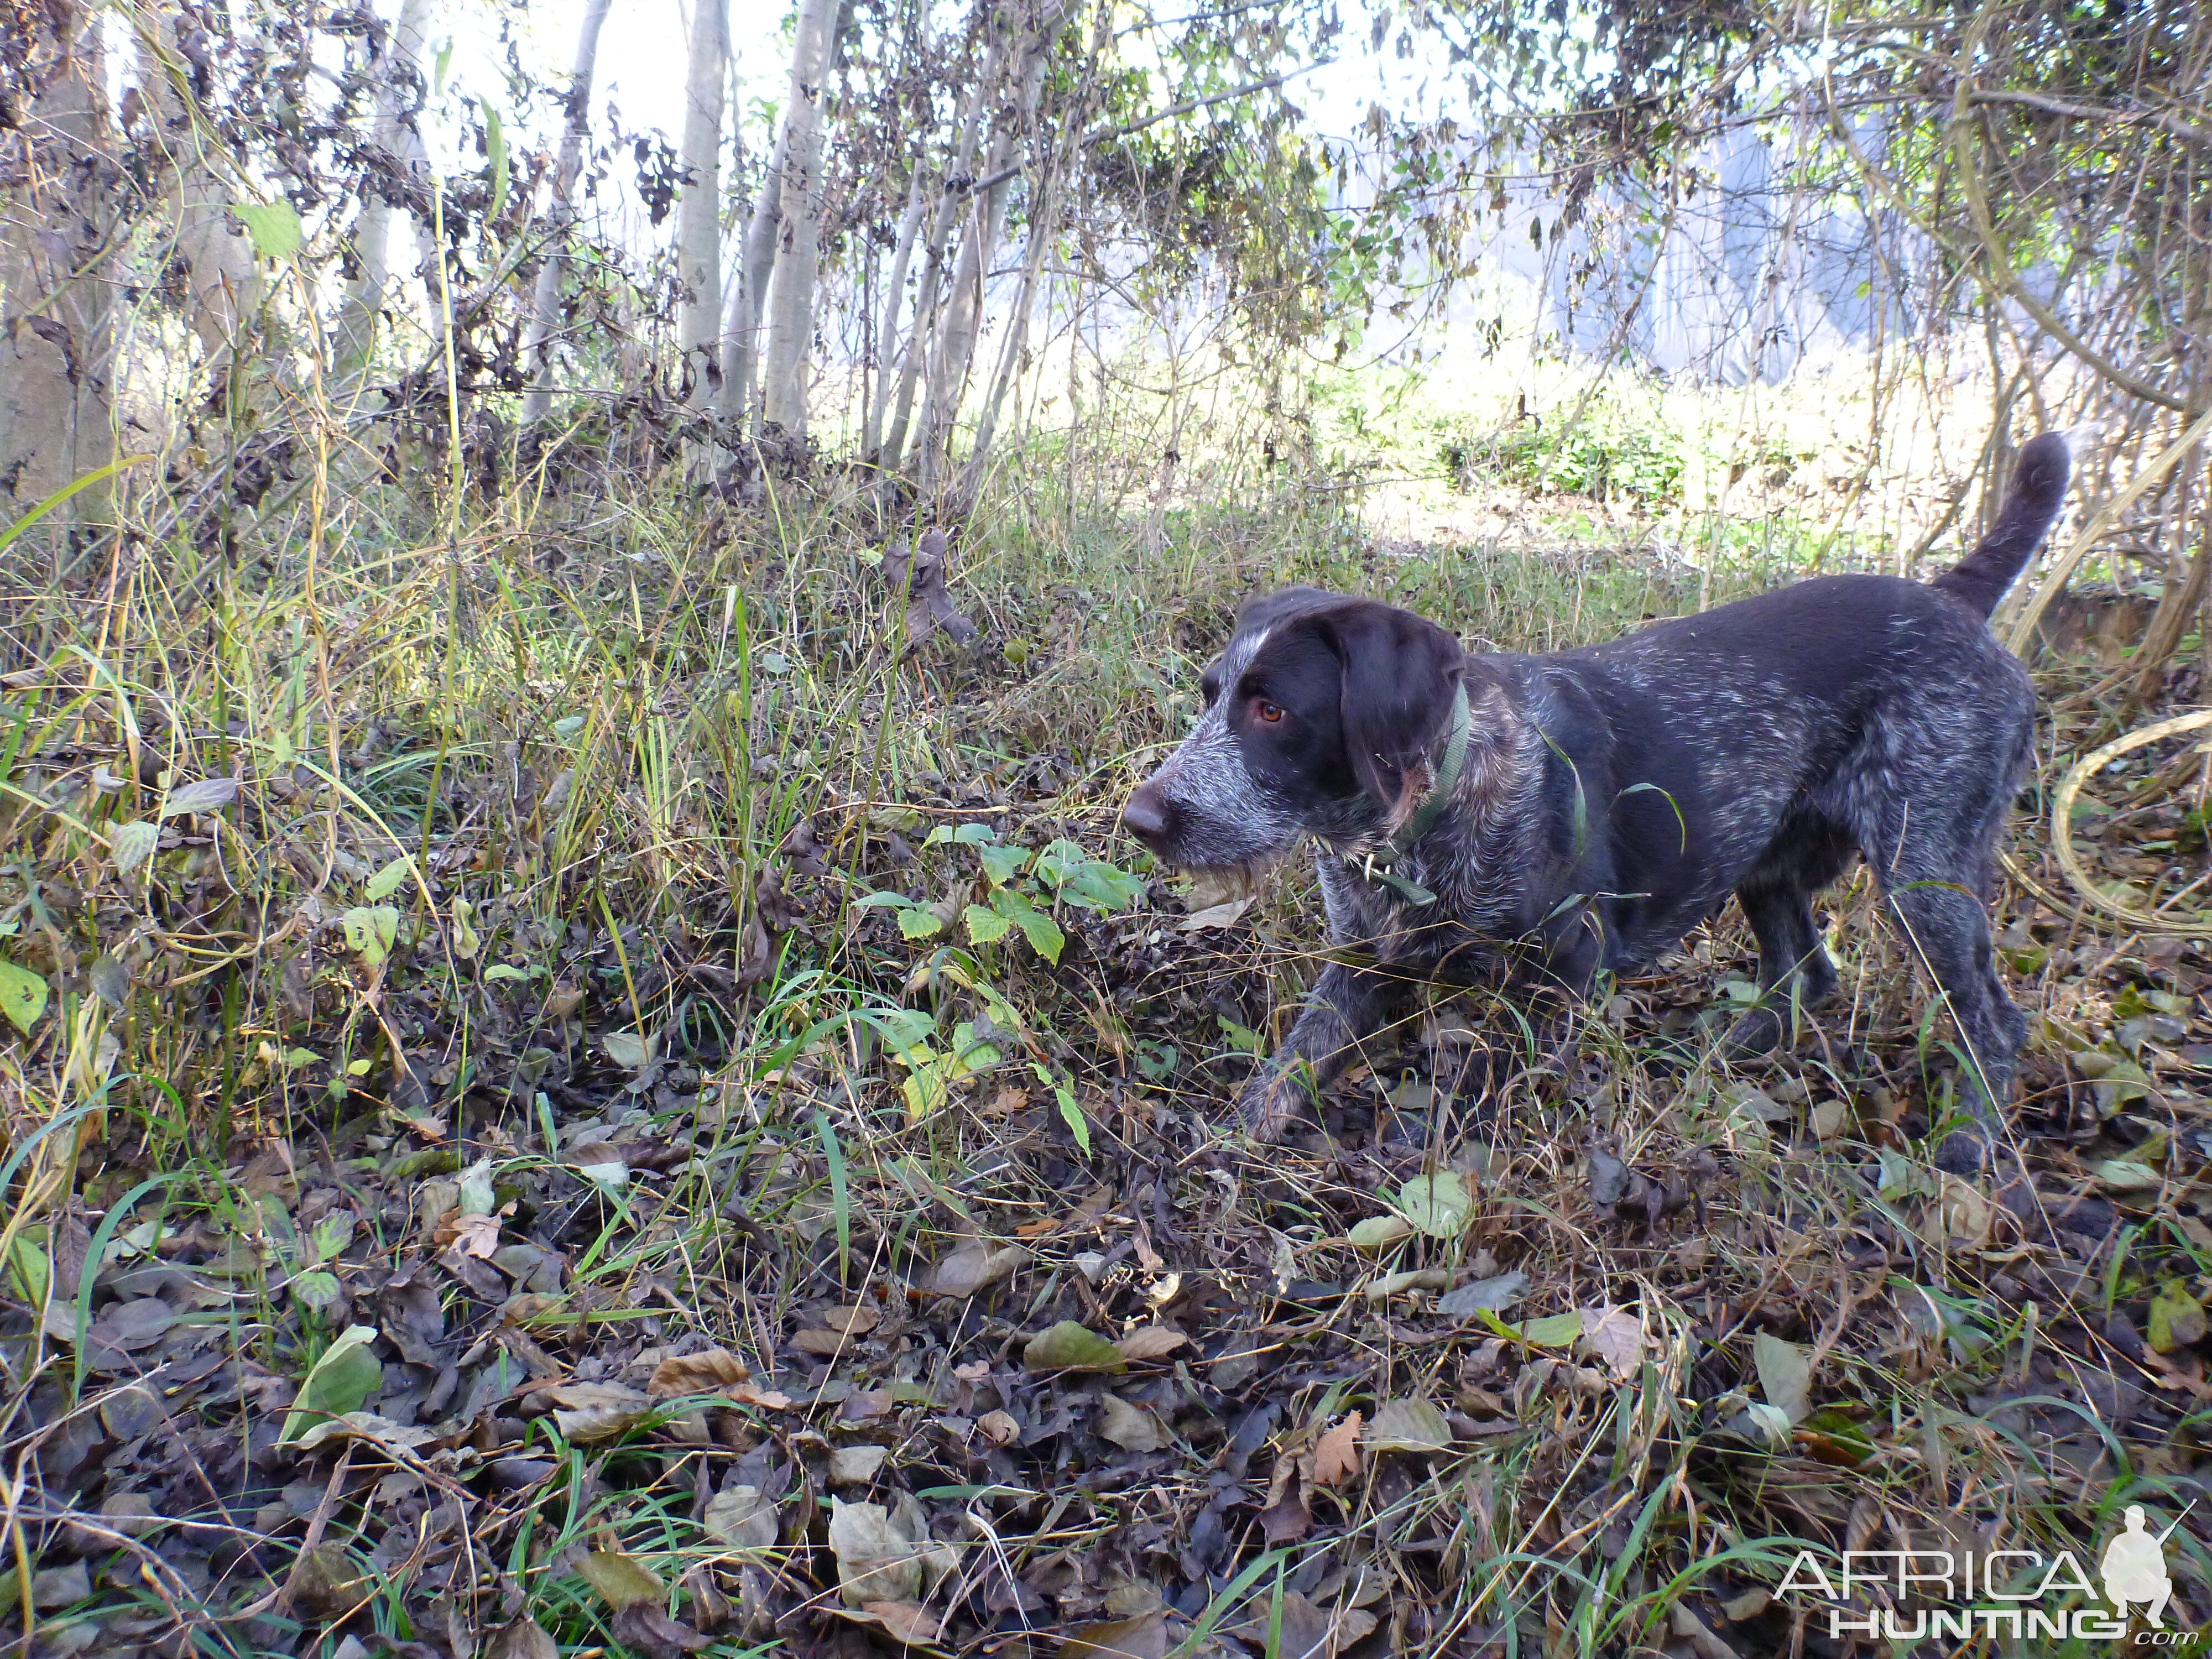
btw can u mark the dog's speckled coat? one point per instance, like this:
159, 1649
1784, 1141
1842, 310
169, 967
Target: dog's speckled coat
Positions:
1612, 797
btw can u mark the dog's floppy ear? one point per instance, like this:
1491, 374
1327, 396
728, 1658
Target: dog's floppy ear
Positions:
1399, 672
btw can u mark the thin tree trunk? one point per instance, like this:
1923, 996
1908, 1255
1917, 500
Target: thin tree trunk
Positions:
964, 309
741, 328
887, 336
699, 211
2178, 604
1046, 191
561, 214
737, 395
397, 74
57, 318
1044, 208
799, 260
422, 180
971, 133
222, 281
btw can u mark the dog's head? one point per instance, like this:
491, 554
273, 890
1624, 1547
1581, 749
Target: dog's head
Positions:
1318, 717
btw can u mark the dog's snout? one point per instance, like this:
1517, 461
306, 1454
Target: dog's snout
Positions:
1149, 816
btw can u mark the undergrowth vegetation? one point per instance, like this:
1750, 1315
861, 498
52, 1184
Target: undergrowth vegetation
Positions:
576, 1087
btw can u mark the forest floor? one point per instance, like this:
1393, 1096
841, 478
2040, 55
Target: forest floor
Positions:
584, 1092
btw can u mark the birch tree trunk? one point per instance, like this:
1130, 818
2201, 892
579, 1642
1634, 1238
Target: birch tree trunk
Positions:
798, 257
699, 211
398, 76
222, 282
561, 215
1047, 188
970, 133
887, 334
1044, 208
741, 328
57, 224
965, 308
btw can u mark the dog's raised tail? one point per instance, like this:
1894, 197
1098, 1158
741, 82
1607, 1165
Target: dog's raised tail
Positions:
2039, 488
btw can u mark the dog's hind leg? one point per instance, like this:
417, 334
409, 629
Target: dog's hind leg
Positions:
1931, 810
1950, 929
1347, 1007
1934, 877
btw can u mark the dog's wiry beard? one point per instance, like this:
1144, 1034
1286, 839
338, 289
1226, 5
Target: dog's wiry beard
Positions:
1233, 828
1212, 884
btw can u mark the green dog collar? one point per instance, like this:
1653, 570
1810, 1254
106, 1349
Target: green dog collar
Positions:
1376, 865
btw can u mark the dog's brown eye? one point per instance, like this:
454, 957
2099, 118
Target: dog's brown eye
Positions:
1267, 711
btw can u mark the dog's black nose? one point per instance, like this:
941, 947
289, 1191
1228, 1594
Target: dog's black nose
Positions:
1149, 816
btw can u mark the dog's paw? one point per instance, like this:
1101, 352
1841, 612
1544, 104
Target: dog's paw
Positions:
1270, 1103
1966, 1153
1472, 1076
1757, 1034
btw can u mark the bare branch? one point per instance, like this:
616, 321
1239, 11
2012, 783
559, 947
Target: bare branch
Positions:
1168, 114
2185, 131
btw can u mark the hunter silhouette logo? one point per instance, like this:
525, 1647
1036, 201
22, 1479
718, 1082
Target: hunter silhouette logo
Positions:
2134, 1568
2015, 1595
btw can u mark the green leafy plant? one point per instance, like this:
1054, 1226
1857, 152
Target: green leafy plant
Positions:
1017, 883
935, 1061
1609, 454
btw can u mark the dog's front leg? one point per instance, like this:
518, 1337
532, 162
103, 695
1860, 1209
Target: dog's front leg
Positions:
1348, 1005
1558, 993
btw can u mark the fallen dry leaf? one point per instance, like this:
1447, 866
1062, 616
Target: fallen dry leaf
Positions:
525, 1638
854, 1321
1414, 1425
369, 1427
476, 1236
1073, 1346
879, 1552
1962, 1212
1212, 888
1130, 1427
707, 1371
855, 1465
620, 1579
1616, 1336
867, 1406
589, 1412
1492, 1295
768, 1400
903, 1621
744, 1517
1749, 1605
1144, 1637
1286, 1518
1785, 1375
1306, 1631
645, 1626
917, 571
1336, 1459
976, 1266
1150, 1342
2176, 1318
326, 1583
1225, 914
